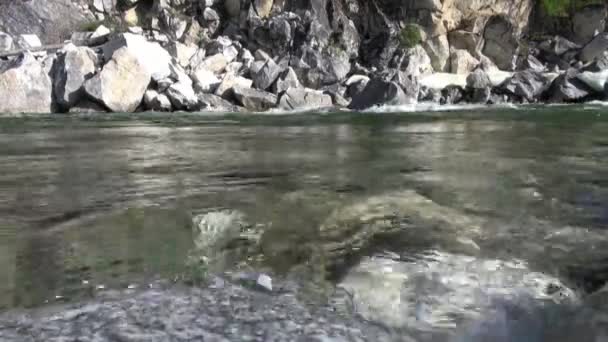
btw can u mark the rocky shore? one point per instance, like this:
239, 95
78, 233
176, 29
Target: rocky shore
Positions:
284, 55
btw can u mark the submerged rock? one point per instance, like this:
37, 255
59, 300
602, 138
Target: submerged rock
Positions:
434, 291
25, 86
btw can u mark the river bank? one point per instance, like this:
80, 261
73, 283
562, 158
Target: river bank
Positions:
232, 56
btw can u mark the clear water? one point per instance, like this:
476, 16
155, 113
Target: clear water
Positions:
105, 201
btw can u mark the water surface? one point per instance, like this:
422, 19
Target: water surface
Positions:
90, 202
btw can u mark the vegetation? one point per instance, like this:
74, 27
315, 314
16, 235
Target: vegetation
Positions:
566, 7
410, 36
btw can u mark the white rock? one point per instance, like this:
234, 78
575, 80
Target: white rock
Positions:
216, 63
28, 41
25, 87
231, 80
265, 282
204, 80
152, 56
121, 84
183, 53
100, 32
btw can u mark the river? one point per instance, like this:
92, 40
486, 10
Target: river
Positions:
94, 203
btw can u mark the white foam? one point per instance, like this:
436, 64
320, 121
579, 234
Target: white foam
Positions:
435, 107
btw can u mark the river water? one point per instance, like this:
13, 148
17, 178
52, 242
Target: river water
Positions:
105, 202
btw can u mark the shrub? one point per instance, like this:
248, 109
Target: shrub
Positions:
410, 36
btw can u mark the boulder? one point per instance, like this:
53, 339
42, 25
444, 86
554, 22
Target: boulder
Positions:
230, 81
121, 84
462, 62
438, 49
416, 62
73, 67
568, 88
216, 63
211, 102
528, 85
316, 69
587, 21
530, 63
182, 95
379, 92
408, 83
205, 81
595, 48
25, 86
304, 98
289, 79
155, 59
156, 101
501, 42
355, 85
254, 100
6, 42
594, 80
182, 53
479, 86
267, 75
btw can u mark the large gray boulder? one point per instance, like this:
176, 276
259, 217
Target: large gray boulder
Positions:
266, 75
595, 48
289, 79
230, 81
25, 86
479, 86
568, 88
254, 99
214, 103
304, 98
73, 67
501, 43
182, 96
122, 83
528, 85
379, 92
